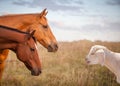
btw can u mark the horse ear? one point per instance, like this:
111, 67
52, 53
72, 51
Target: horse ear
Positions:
31, 33
44, 12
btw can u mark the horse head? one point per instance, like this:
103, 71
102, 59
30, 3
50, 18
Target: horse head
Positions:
27, 53
43, 32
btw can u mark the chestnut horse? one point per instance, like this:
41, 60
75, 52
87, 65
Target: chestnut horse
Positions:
23, 44
38, 22
27, 22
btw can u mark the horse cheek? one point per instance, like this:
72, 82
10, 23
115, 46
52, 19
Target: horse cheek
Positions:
21, 54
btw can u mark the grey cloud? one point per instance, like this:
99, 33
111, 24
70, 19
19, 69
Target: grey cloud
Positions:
108, 27
54, 5
113, 26
64, 27
68, 2
22, 2
110, 31
93, 28
113, 2
19, 3
2, 0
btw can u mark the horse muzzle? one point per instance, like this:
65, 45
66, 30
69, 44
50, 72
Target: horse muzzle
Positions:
52, 48
35, 72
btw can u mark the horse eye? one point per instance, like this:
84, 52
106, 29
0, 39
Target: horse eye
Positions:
45, 26
32, 49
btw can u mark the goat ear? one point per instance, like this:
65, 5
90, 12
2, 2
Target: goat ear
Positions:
102, 56
93, 50
100, 51
96, 49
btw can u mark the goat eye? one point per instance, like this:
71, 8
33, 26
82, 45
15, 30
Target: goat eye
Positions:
92, 53
32, 49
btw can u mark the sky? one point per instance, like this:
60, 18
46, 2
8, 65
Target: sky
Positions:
72, 20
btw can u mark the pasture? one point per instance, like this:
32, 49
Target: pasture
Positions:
66, 67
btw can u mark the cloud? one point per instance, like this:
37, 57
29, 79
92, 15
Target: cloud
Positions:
96, 27
22, 3
110, 31
113, 26
54, 5
107, 27
2, 0
63, 26
113, 2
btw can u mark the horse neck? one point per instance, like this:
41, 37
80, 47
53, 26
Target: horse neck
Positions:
8, 45
19, 21
12, 35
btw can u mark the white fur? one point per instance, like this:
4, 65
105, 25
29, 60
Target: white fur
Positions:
101, 55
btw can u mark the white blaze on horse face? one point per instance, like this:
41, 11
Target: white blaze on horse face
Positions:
37, 51
36, 47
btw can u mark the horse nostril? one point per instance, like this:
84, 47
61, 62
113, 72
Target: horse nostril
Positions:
56, 47
36, 71
52, 48
40, 71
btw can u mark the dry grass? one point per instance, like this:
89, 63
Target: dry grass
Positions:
66, 67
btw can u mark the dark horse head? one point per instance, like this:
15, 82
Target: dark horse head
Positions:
27, 53
24, 45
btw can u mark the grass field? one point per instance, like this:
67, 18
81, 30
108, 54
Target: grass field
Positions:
66, 67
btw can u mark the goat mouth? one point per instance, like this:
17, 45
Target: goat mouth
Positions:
88, 62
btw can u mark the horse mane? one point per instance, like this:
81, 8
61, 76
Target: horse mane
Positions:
7, 15
35, 40
13, 29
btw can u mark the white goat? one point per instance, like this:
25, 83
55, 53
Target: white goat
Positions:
101, 55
